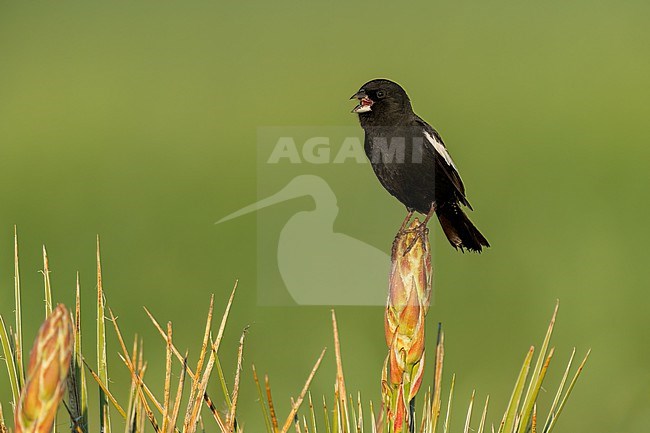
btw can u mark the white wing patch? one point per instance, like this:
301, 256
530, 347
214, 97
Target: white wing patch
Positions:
440, 148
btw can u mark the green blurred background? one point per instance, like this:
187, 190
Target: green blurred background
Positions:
138, 121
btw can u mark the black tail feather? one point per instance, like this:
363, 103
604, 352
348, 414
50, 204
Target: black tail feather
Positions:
459, 230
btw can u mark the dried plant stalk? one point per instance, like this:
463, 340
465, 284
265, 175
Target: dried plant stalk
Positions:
409, 295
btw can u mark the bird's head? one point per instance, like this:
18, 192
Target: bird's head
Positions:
381, 101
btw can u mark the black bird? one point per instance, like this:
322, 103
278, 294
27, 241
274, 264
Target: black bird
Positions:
412, 163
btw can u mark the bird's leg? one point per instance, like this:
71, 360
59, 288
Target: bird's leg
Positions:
422, 225
406, 221
430, 214
421, 230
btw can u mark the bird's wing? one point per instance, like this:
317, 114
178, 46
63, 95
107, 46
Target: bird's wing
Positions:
443, 159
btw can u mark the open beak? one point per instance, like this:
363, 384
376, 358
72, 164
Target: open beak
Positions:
364, 102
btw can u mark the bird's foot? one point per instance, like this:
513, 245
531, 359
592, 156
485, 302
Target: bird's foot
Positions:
421, 232
405, 223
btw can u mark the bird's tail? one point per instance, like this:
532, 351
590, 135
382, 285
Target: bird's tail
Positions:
459, 230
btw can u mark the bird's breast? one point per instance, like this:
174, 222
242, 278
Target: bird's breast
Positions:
403, 166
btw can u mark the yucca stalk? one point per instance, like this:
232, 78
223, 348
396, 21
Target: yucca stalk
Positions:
407, 306
49, 365
409, 294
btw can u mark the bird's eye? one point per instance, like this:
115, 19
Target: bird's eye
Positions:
381, 94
